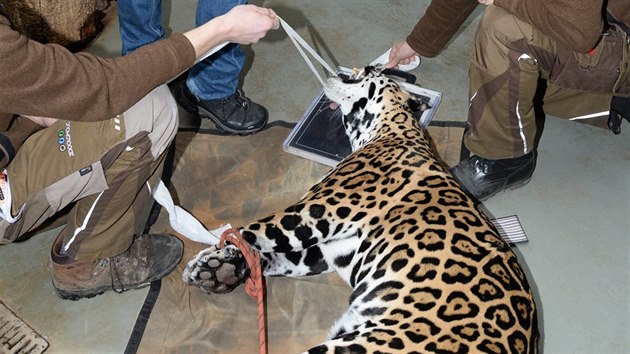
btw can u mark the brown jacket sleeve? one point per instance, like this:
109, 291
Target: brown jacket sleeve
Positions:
577, 24
438, 25
48, 80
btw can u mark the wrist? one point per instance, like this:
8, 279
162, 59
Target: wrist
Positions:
208, 35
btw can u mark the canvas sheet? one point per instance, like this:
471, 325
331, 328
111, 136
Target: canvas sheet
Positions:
231, 179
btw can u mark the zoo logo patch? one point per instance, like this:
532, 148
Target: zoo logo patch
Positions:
64, 139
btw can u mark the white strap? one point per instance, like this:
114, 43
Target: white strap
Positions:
5, 199
183, 222
299, 44
384, 59
211, 51
297, 41
203, 57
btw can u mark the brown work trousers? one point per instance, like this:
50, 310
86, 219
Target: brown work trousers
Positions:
510, 58
102, 170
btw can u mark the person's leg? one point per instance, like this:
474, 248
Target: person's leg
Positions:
509, 58
140, 23
218, 76
504, 74
102, 226
211, 89
584, 107
103, 168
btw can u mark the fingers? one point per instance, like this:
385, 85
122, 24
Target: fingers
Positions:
267, 12
401, 54
272, 15
275, 18
392, 64
249, 23
393, 57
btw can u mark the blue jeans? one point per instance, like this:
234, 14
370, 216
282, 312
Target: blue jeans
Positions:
214, 78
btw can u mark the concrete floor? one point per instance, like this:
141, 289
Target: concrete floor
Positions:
575, 210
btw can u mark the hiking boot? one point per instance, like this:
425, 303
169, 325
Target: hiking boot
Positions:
150, 257
235, 114
483, 178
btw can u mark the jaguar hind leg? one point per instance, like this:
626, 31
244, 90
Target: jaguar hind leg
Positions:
217, 270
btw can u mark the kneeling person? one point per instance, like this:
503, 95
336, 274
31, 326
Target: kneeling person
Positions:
104, 153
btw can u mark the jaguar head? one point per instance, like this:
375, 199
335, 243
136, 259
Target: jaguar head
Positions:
368, 102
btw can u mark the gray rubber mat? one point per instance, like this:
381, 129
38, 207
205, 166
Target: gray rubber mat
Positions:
16, 337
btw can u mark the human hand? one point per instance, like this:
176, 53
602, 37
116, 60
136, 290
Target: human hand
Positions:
400, 54
249, 23
486, 2
43, 121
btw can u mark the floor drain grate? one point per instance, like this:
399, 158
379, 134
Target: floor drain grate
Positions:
16, 337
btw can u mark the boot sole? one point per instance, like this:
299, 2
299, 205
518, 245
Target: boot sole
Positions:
172, 243
74, 295
510, 187
208, 115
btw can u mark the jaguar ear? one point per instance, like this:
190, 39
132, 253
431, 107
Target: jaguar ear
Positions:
374, 69
417, 106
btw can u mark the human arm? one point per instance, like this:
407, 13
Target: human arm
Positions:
244, 24
435, 28
41, 121
576, 23
438, 25
48, 80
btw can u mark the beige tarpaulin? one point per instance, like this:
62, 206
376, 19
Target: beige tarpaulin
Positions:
231, 179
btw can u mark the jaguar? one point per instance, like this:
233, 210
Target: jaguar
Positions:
429, 272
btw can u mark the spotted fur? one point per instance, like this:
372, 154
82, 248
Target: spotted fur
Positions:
429, 272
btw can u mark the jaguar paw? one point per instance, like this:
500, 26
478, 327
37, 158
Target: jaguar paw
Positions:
217, 270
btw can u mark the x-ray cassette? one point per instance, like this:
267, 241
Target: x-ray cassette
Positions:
319, 134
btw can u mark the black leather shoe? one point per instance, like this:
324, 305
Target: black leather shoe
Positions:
235, 114
483, 178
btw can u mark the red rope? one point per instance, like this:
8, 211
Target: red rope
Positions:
254, 286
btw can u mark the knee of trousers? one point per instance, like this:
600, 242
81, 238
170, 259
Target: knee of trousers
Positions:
497, 32
156, 114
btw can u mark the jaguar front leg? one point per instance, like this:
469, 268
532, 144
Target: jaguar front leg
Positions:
219, 271
298, 227
295, 242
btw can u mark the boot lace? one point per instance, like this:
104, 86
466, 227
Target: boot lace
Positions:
240, 99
